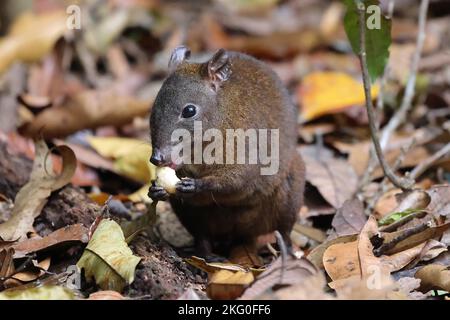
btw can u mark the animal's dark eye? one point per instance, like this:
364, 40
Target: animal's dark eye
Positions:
189, 111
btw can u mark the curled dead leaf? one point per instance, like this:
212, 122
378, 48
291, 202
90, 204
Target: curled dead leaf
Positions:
33, 196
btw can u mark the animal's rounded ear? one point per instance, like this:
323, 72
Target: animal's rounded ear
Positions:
219, 68
179, 54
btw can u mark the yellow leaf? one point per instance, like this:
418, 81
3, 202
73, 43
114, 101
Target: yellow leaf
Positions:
213, 267
141, 195
107, 257
225, 284
31, 37
324, 93
131, 156
232, 278
48, 292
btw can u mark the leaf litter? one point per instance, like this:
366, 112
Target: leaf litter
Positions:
93, 93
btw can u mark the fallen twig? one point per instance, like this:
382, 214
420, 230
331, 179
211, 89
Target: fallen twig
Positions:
400, 115
423, 166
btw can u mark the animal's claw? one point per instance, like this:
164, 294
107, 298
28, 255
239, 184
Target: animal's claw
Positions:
157, 193
186, 185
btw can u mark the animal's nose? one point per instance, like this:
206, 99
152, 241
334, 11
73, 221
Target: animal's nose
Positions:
157, 158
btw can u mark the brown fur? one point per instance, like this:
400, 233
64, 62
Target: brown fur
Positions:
234, 203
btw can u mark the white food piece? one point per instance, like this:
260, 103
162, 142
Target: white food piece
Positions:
166, 178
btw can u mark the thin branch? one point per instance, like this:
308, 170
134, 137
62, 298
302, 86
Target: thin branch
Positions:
372, 163
400, 116
423, 166
403, 183
405, 106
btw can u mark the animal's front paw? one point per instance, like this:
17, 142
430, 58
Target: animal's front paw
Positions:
187, 186
157, 193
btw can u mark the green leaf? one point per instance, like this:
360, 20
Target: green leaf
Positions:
378, 36
395, 216
108, 259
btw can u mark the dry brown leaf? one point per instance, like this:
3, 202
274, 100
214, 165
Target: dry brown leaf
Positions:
374, 278
227, 285
333, 177
6, 244
356, 288
28, 276
434, 276
416, 199
33, 196
341, 260
440, 201
88, 156
358, 153
6, 263
401, 259
353, 263
72, 233
296, 271
311, 288
387, 203
350, 218
106, 295
316, 255
409, 239
277, 45
213, 267
87, 109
